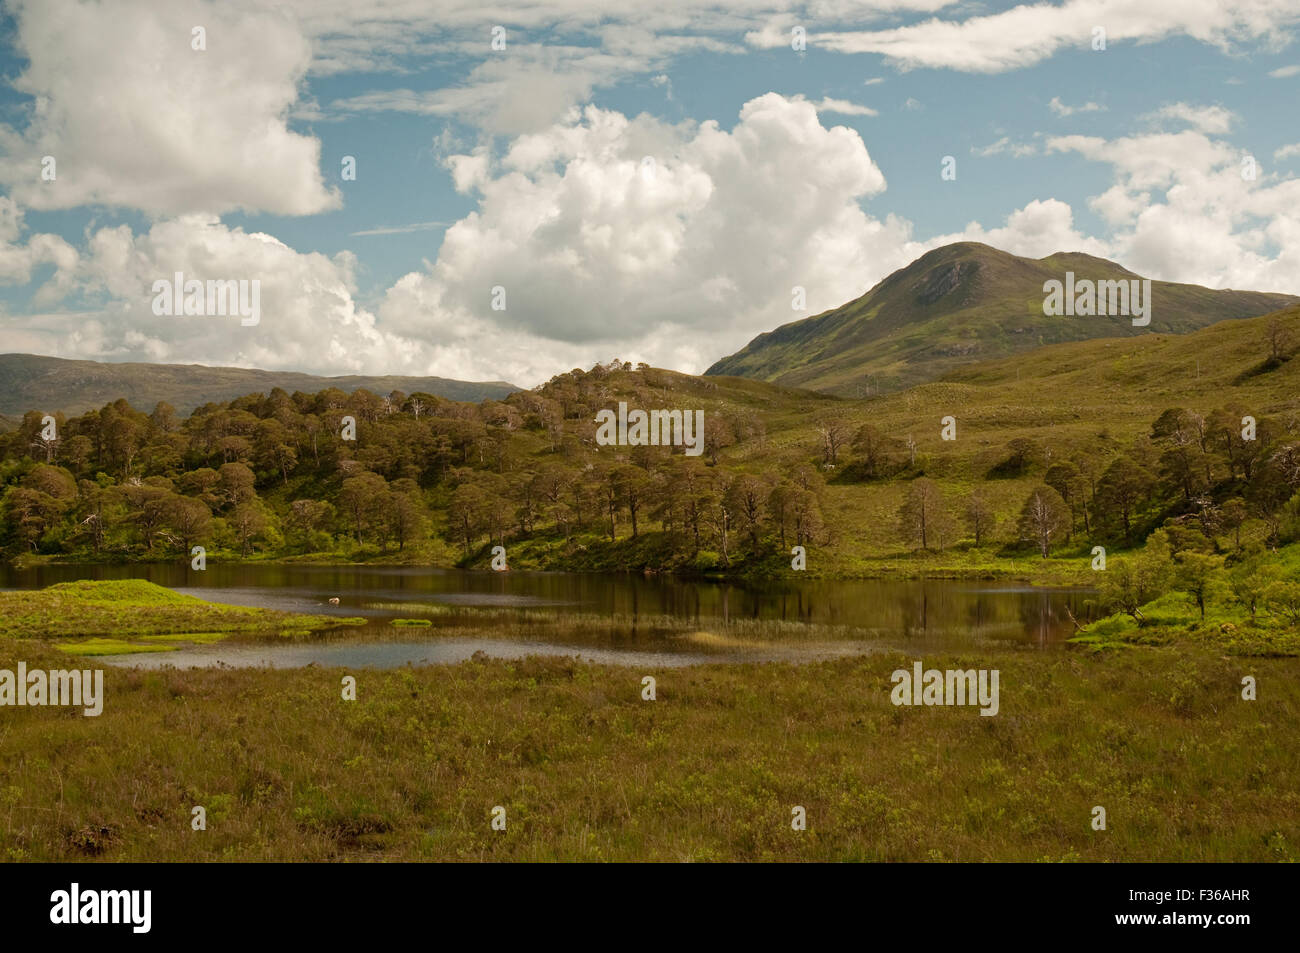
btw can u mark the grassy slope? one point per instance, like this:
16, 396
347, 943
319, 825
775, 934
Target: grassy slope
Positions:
1070, 396
710, 771
959, 303
1079, 396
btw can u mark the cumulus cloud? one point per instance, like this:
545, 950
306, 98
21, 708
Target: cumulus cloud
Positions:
675, 260
308, 316
611, 234
18, 258
135, 117
1041, 228
1182, 210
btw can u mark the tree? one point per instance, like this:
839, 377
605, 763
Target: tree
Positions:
1250, 580
717, 434
465, 513
94, 500
834, 432
1123, 486
235, 484
874, 448
1181, 432
249, 520
745, 498
1283, 598
718, 513
1232, 514
1197, 575
76, 451
1269, 491
189, 519
780, 508
1278, 340
1044, 518
1064, 478
362, 499
1130, 583
147, 508
923, 517
309, 516
632, 486
806, 511
979, 516
31, 513
1022, 452
403, 512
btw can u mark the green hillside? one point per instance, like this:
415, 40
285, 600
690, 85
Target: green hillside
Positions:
959, 304
30, 381
431, 481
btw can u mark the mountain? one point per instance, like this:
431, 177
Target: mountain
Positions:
958, 304
49, 384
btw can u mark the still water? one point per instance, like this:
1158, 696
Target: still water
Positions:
708, 621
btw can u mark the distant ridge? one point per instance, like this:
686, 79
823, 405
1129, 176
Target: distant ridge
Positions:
50, 384
959, 304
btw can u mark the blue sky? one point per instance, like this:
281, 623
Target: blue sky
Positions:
521, 168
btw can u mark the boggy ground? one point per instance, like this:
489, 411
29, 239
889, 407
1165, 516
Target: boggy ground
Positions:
587, 770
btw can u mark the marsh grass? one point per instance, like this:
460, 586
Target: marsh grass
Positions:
586, 770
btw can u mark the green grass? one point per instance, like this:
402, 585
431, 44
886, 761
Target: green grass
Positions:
101, 646
586, 770
194, 638
103, 618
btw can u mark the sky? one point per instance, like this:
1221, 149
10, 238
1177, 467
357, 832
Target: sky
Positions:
508, 191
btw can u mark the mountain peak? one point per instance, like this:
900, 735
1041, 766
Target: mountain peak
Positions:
959, 303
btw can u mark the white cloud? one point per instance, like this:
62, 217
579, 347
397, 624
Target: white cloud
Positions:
399, 229
1285, 72
844, 107
1061, 109
135, 117
1029, 33
598, 257
1209, 119
678, 265
1005, 146
18, 260
1180, 210
308, 316
1039, 229
1287, 152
